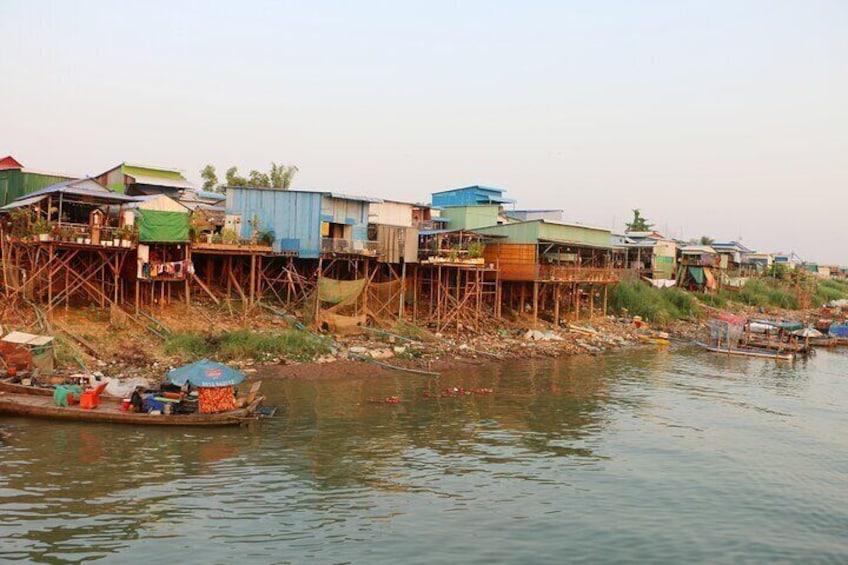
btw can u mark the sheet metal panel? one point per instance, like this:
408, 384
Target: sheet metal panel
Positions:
294, 217
517, 262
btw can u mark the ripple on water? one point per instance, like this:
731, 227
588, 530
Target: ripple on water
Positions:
642, 456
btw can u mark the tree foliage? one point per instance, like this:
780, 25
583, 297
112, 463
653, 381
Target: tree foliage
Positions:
210, 178
279, 176
639, 223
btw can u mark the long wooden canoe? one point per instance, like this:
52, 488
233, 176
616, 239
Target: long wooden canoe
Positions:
749, 352
8, 386
109, 412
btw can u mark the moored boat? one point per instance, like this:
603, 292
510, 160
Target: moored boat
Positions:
840, 333
38, 406
749, 352
728, 335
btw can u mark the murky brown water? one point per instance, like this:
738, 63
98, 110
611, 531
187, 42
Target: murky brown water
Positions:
643, 456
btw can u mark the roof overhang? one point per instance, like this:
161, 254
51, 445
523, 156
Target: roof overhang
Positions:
575, 244
160, 181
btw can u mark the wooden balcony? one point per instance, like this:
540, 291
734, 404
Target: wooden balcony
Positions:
602, 275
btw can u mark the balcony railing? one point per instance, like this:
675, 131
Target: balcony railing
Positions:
346, 246
81, 234
580, 274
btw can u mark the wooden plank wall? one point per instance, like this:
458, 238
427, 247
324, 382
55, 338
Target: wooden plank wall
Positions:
517, 261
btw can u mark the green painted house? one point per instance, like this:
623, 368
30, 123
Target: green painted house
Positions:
472, 216
542, 231
136, 180
16, 181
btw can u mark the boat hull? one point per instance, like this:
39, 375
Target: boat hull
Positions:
761, 354
33, 406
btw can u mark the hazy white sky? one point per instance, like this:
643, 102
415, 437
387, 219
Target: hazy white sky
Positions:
715, 118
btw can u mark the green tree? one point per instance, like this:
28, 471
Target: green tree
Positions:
259, 180
279, 176
706, 240
282, 175
210, 178
235, 179
639, 223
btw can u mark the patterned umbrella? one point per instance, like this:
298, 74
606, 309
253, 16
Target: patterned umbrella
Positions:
204, 373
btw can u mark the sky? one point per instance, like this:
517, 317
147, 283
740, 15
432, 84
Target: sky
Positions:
724, 119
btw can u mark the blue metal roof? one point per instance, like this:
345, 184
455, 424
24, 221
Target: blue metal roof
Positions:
469, 195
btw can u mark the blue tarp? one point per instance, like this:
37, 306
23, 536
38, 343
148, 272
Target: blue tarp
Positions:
206, 374
839, 331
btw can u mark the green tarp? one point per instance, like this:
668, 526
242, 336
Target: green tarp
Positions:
697, 274
336, 292
162, 227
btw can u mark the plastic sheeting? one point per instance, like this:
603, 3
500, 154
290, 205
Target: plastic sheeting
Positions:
839, 331
162, 227
338, 292
697, 274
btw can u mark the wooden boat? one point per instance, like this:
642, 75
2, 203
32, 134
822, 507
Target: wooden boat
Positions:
109, 412
6, 385
656, 340
748, 352
775, 344
824, 341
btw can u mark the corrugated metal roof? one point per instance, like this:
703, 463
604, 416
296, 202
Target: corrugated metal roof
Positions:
353, 197
148, 166
472, 232
159, 181
574, 243
20, 203
85, 188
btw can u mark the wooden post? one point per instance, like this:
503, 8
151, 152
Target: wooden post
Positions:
591, 302
402, 289
576, 295
556, 304
317, 280
535, 302
116, 276
50, 283
522, 298
606, 291
252, 290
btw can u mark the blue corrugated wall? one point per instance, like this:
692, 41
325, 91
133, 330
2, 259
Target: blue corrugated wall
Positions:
295, 217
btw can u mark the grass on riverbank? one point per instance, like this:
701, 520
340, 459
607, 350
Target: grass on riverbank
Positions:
831, 290
246, 344
763, 292
660, 307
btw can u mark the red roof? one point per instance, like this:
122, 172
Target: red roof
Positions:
9, 162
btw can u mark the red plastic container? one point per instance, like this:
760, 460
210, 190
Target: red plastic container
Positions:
89, 400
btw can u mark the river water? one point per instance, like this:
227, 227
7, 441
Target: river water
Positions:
640, 456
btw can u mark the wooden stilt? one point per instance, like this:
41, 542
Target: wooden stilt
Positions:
535, 302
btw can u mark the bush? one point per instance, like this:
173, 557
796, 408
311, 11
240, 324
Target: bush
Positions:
245, 344
763, 293
657, 306
831, 290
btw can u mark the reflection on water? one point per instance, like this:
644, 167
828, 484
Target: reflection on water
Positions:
641, 456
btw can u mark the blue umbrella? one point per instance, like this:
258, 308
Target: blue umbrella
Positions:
204, 373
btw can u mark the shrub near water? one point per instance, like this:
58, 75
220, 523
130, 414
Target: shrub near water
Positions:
762, 293
654, 305
245, 344
831, 290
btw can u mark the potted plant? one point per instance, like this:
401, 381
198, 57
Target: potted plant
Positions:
230, 237
42, 228
122, 237
266, 238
